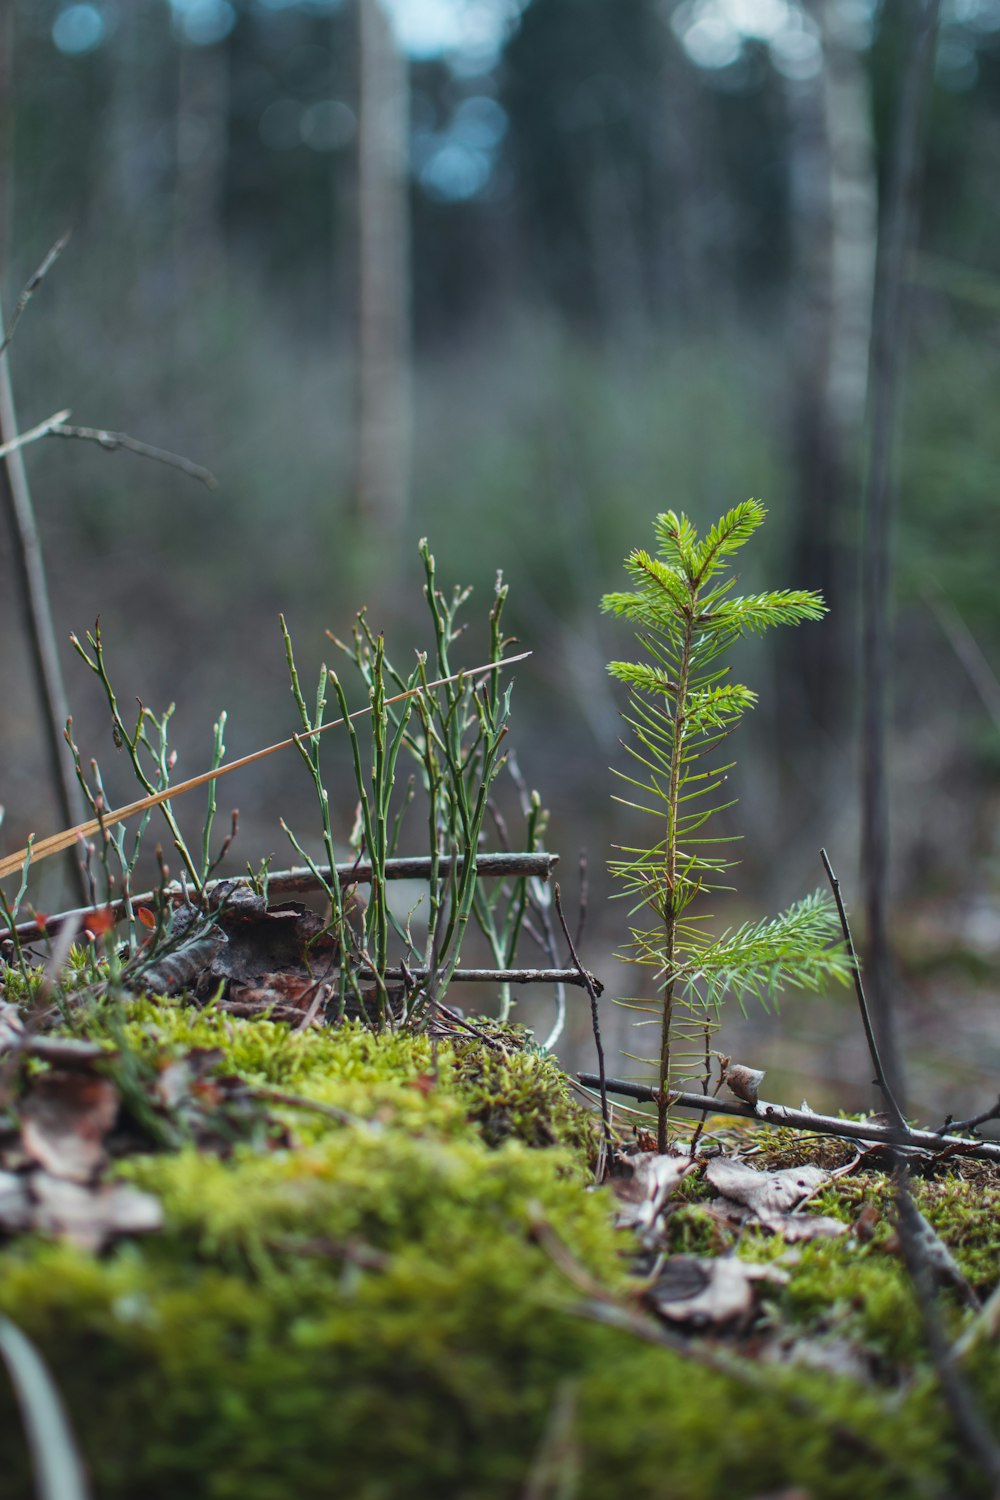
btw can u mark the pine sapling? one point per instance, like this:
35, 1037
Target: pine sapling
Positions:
682, 707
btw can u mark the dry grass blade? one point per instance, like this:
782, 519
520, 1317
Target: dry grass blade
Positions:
56, 1461
57, 842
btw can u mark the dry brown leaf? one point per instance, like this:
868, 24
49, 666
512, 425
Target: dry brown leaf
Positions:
709, 1292
90, 1216
769, 1198
16, 1213
646, 1183
64, 1121
179, 1079
744, 1082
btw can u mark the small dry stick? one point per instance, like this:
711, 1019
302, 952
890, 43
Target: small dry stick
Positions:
591, 988
14, 863
993, 1113
928, 1141
302, 880
31, 287
33, 433
880, 1079
113, 440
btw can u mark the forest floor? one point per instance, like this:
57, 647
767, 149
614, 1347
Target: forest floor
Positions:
269, 1260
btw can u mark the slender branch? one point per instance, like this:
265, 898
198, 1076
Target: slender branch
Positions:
993, 1113
578, 976
36, 608
593, 990
31, 287
113, 440
43, 429
803, 1119
866, 1020
69, 837
296, 881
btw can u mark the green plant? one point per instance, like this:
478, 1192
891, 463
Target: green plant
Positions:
394, 965
681, 709
455, 734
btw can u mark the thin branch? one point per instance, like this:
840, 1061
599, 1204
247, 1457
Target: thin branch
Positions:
302, 880
36, 608
68, 838
578, 976
880, 1079
44, 429
993, 1113
802, 1119
31, 287
969, 652
593, 990
113, 440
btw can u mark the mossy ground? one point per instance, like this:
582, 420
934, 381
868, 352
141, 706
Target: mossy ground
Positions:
372, 1307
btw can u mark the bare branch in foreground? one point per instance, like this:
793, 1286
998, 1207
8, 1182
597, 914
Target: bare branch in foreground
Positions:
928, 1141
578, 977
44, 429
113, 440
301, 880
31, 287
866, 1020
593, 990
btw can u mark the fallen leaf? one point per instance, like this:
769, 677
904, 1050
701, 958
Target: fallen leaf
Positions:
90, 1216
180, 1078
647, 1179
744, 1082
709, 1292
64, 1121
764, 1192
16, 1213
768, 1198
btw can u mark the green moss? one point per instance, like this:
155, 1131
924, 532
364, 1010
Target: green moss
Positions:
381, 1308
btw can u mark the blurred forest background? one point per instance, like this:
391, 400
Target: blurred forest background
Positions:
516, 275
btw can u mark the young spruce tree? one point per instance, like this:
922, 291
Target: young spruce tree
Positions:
681, 708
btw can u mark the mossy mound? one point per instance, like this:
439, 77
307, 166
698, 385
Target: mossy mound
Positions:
398, 1303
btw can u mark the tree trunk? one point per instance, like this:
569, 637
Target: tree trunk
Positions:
384, 418
202, 149
834, 193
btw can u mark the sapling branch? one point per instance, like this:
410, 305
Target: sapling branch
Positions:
681, 709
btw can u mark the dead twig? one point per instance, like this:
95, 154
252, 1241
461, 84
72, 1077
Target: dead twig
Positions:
927, 1142
36, 609
593, 990
269, 1095
33, 434
880, 1077
69, 837
114, 440
301, 881
951, 1126
31, 287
